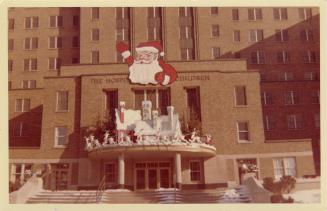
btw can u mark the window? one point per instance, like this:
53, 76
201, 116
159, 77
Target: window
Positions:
281, 35
54, 63
237, 35
280, 13
95, 13
55, 21
29, 84
310, 76
243, 132
195, 170
95, 36
75, 60
22, 105
215, 30
266, 98
95, 57
10, 65
119, 58
256, 35
122, 34
11, 24
235, 15
305, 13
187, 54
62, 101
284, 167
154, 33
254, 14
269, 122
286, 76
309, 57
75, 42
154, 12
30, 64
283, 57
122, 13
10, 44
294, 121
31, 43
215, 52
185, 32
214, 11
60, 136
291, 98
315, 96
317, 119
193, 105
240, 96
160, 99
110, 170
185, 12
237, 55
76, 20
306, 35
9, 85
31, 22
55, 42
258, 57
19, 129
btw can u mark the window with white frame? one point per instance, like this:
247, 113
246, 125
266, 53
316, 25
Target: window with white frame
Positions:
54, 63
286, 76
19, 129
281, 35
215, 30
266, 98
21, 171
31, 22
269, 122
154, 12
95, 13
310, 76
240, 95
291, 98
185, 12
122, 34
62, 101
294, 121
305, 13
254, 14
30, 64
29, 84
214, 10
215, 52
256, 35
154, 33
122, 13
60, 136
317, 119
306, 35
95, 35
310, 57
243, 132
22, 105
280, 13
55, 42
187, 54
55, 21
95, 57
258, 57
237, 35
185, 32
283, 57
195, 170
31, 43
235, 15
284, 167
160, 99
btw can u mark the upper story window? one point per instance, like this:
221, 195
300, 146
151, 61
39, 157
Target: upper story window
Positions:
193, 105
315, 96
10, 65
280, 13
29, 84
122, 34
214, 10
55, 42
154, 33
243, 132
286, 76
185, 12
215, 31
306, 35
154, 12
10, 44
269, 122
310, 57
310, 76
54, 63
291, 98
240, 96
95, 13
62, 101
31, 43
11, 24
215, 52
317, 119
95, 36
266, 98
122, 13
76, 20
30, 64
95, 57
31, 22
305, 13
283, 57
237, 35
187, 54
75, 42
19, 129
294, 121
254, 14
258, 57
22, 105
195, 170
61, 136
284, 167
256, 35
281, 35
185, 32
55, 21
235, 15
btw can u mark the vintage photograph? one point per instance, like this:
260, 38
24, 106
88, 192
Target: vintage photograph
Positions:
164, 105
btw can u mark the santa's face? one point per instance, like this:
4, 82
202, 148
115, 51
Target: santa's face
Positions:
145, 57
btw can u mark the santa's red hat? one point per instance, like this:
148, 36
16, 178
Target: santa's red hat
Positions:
153, 46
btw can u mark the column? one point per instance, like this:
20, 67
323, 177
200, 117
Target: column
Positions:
121, 171
178, 168
22, 173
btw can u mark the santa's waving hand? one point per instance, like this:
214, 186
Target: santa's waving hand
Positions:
147, 67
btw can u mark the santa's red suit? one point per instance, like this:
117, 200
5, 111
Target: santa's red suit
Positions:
152, 72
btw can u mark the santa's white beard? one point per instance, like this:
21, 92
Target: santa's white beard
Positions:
144, 73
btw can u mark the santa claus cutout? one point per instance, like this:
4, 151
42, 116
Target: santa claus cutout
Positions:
147, 67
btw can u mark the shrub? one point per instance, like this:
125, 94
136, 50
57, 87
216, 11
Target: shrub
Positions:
284, 185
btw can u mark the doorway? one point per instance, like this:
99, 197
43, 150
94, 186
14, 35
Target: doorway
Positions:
61, 176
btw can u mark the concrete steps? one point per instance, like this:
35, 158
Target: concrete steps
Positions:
64, 197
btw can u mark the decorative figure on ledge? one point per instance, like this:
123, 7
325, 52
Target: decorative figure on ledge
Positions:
147, 67
194, 137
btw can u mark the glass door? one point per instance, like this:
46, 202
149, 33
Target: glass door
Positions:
140, 179
164, 178
152, 178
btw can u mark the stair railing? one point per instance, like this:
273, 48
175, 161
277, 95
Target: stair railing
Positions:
101, 189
